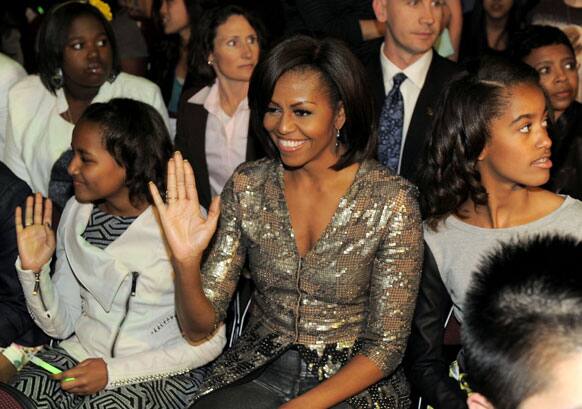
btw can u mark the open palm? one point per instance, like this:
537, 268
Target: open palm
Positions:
35, 238
187, 231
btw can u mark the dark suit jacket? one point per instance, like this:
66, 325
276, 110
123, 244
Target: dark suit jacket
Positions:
191, 142
16, 325
440, 71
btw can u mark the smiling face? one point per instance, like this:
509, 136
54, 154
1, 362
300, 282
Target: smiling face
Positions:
558, 77
412, 27
87, 56
302, 121
174, 16
236, 50
96, 175
518, 149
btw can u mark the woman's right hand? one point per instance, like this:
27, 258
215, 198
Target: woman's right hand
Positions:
36, 239
187, 231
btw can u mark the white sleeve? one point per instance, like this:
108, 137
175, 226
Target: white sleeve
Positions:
176, 357
13, 152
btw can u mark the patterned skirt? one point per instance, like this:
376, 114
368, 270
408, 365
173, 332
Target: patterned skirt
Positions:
172, 393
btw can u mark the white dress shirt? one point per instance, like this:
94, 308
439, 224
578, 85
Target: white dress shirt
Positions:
226, 136
410, 88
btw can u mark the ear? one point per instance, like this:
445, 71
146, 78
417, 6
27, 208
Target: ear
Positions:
478, 401
340, 116
379, 7
484, 152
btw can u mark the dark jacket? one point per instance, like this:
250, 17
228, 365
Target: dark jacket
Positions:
439, 73
16, 325
191, 142
566, 172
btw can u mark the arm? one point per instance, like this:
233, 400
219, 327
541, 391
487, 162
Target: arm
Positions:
393, 288
200, 306
455, 26
13, 151
56, 306
426, 366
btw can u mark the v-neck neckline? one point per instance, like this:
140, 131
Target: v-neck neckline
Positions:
326, 231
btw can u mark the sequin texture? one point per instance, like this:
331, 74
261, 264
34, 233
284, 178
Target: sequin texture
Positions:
352, 293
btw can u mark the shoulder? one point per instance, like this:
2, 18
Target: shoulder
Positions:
28, 88
379, 181
133, 86
11, 70
442, 67
12, 189
255, 173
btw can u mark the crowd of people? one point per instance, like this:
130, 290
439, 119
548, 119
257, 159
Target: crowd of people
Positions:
206, 204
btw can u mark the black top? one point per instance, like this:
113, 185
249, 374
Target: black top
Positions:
566, 172
16, 325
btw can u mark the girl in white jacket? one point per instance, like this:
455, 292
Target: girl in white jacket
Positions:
111, 298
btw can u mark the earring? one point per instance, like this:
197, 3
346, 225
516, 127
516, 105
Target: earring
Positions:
338, 137
210, 62
112, 77
57, 79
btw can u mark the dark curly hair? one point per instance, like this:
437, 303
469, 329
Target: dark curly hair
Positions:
534, 36
448, 175
344, 81
135, 134
52, 38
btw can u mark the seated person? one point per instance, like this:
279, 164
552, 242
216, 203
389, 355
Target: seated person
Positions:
548, 50
111, 298
522, 329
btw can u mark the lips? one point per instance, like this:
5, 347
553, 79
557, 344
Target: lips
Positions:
544, 162
289, 145
95, 68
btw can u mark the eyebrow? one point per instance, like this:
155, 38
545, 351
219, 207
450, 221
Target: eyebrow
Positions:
519, 118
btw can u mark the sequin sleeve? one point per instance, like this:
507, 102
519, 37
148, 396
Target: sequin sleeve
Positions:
394, 283
221, 270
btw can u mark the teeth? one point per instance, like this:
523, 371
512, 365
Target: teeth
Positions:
290, 144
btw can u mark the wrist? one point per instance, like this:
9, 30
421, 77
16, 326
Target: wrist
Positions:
187, 264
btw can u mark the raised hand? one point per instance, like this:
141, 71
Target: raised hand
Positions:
36, 239
187, 231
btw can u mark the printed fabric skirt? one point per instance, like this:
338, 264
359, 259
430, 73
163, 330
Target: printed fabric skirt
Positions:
166, 393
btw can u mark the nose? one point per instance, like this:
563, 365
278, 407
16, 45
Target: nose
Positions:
73, 168
544, 141
560, 74
163, 8
285, 125
428, 12
246, 50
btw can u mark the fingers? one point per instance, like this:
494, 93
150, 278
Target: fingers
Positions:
48, 213
18, 220
171, 193
190, 182
37, 214
179, 162
28, 212
158, 201
214, 210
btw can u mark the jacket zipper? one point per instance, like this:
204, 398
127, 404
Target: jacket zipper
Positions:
134, 276
36, 290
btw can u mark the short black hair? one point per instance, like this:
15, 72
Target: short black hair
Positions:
52, 38
204, 35
135, 134
522, 311
342, 74
536, 36
448, 174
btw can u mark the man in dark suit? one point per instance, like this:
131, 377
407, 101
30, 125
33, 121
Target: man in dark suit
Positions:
412, 27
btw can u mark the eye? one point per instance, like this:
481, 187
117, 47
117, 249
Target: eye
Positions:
544, 70
232, 43
526, 128
412, 2
545, 122
102, 43
570, 66
252, 40
271, 109
301, 112
438, 3
76, 46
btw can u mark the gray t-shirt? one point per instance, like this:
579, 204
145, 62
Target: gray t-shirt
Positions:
458, 248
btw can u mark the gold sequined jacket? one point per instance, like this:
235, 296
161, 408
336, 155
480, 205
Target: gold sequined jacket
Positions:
353, 293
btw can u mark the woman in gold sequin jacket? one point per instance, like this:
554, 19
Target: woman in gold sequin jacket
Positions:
332, 239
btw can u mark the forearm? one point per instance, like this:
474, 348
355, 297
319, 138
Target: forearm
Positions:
358, 374
195, 312
372, 29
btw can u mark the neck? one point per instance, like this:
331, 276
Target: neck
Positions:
401, 58
184, 36
319, 172
496, 24
78, 94
231, 93
122, 206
